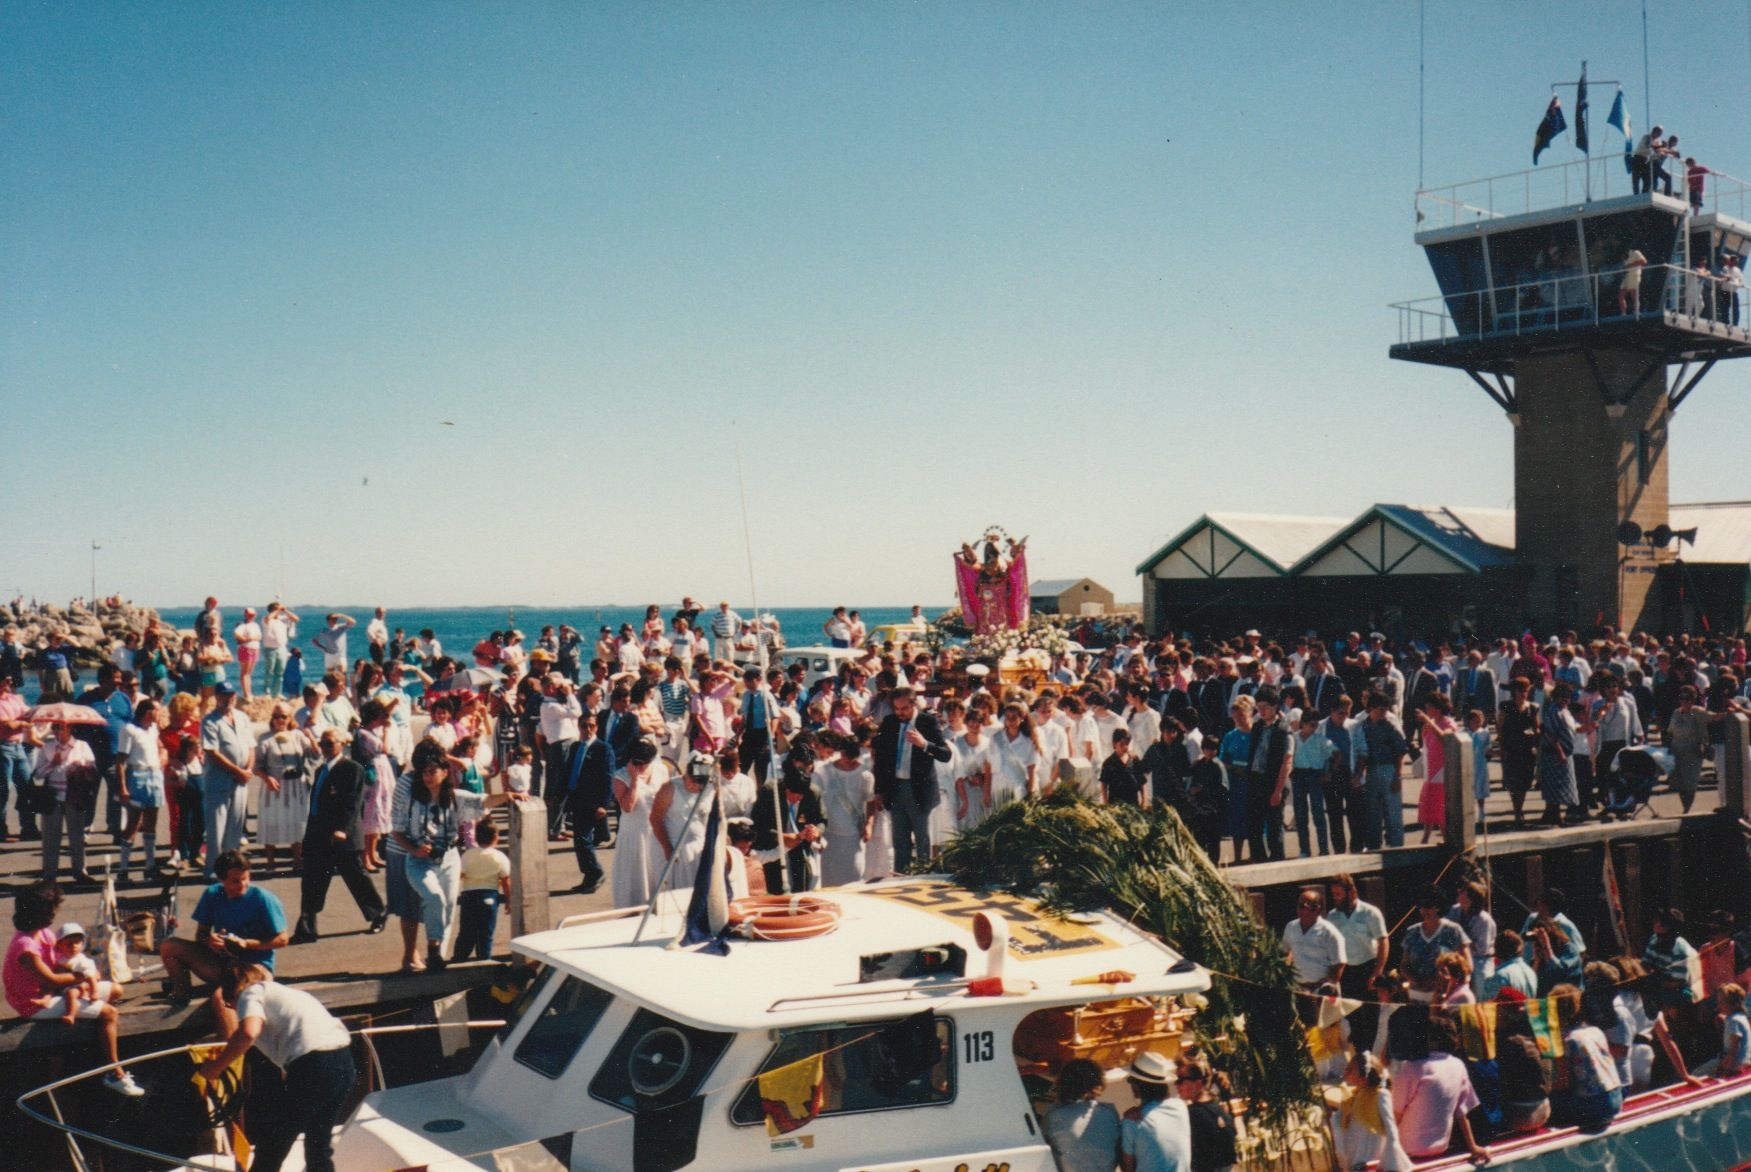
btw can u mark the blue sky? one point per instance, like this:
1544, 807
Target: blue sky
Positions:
1083, 270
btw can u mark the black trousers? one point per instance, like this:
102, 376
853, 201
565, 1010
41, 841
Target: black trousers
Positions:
1264, 822
1337, 808
755, 753
317, 1086
587, 831
323, 859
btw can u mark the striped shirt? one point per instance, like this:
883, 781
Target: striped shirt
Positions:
725, 624
676, 698
399, 805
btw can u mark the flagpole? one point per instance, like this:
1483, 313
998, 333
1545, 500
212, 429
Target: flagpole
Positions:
1647, 91
674, 850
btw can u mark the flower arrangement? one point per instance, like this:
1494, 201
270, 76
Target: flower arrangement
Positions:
1041, 634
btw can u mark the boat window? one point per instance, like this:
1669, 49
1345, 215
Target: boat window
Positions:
555, 1037
657, 1062
870, 1066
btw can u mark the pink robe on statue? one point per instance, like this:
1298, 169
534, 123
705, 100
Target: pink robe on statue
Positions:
989, 607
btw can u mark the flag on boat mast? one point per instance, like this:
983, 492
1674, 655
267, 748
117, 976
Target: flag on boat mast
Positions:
1581, 113
708, 912
1553, 125
1619, 117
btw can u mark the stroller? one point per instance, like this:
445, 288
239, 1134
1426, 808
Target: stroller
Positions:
1639, 769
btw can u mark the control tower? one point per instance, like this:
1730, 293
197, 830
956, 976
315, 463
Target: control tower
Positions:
1540, 307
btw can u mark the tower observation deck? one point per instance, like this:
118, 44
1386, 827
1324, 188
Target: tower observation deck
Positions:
1569, 299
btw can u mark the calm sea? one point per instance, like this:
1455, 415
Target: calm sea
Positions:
460, 628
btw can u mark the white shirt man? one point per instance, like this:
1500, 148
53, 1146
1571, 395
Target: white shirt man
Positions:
1314, 946
377, 630
1362, 927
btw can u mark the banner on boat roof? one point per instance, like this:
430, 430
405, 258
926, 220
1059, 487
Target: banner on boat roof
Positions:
1034, 934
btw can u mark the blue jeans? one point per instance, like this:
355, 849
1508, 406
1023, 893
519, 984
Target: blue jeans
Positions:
1310, 792
15, 776
1384, 809
478, 912
434, 883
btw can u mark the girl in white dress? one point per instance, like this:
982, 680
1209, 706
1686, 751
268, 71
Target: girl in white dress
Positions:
1015, 755
847, 790
942, 819
280, 761
972, 764
637, 858
679, 826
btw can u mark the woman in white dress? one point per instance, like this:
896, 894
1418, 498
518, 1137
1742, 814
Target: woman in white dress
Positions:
678, 823
953, 714
972, 765
281, 760
847, 790
1015, 755
637, 858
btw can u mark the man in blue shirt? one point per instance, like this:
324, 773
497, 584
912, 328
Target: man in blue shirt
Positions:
110, 702
233, 920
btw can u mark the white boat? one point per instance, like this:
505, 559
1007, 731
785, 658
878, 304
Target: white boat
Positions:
631, 1055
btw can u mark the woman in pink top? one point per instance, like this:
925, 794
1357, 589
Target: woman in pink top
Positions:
33, 985
1436, 718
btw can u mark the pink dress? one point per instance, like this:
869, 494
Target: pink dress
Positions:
1432, 802
376, 817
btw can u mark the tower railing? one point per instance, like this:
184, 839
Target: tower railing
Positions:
1572, 301
1564, 184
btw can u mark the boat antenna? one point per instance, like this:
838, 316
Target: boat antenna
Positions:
1422, 20
754, 595
747, 534
1647, 92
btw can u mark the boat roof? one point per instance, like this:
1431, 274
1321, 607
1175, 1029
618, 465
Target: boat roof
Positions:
766, 985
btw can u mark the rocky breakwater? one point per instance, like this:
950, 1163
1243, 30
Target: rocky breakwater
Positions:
91, 628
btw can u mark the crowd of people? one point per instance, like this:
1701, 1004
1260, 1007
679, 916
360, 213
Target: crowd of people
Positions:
392, 762
1483, 1032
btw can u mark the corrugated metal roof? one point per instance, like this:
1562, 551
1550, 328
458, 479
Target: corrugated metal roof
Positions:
1723, 532
1480, 536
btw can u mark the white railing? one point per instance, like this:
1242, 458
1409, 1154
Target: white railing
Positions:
1575, 301
1563, 184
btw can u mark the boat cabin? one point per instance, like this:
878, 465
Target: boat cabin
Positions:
891, 1049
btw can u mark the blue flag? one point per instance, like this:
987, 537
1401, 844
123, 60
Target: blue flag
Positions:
1619, 117
1548, 129
1581, 111
708, 912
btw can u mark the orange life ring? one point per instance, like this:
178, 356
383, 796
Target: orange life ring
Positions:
784, 917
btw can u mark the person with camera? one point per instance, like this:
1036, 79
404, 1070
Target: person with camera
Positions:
427, 831
234, 920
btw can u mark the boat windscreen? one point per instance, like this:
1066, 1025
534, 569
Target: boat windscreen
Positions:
558, 1032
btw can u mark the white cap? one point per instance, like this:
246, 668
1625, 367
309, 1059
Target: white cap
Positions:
71, 928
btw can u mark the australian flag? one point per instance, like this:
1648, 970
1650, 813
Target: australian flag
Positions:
708, 912
1553, 125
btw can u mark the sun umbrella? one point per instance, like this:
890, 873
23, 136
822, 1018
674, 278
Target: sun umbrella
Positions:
64, 714
468, 679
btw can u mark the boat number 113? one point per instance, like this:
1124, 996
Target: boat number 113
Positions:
978, 1046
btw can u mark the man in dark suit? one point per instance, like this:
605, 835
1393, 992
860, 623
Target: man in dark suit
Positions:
333, 841
618, 727
905, 754
1209, 697
590, 790
1476, 687
1323, 687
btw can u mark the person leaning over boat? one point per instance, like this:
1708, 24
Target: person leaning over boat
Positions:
1082, 1131
1315, 949
313, 1051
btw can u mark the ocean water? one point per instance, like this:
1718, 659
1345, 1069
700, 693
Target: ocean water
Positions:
460, 628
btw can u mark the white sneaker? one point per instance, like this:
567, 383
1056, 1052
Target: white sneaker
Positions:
122, 1083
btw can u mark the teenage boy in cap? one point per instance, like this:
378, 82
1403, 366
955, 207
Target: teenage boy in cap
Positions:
1156, 1135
